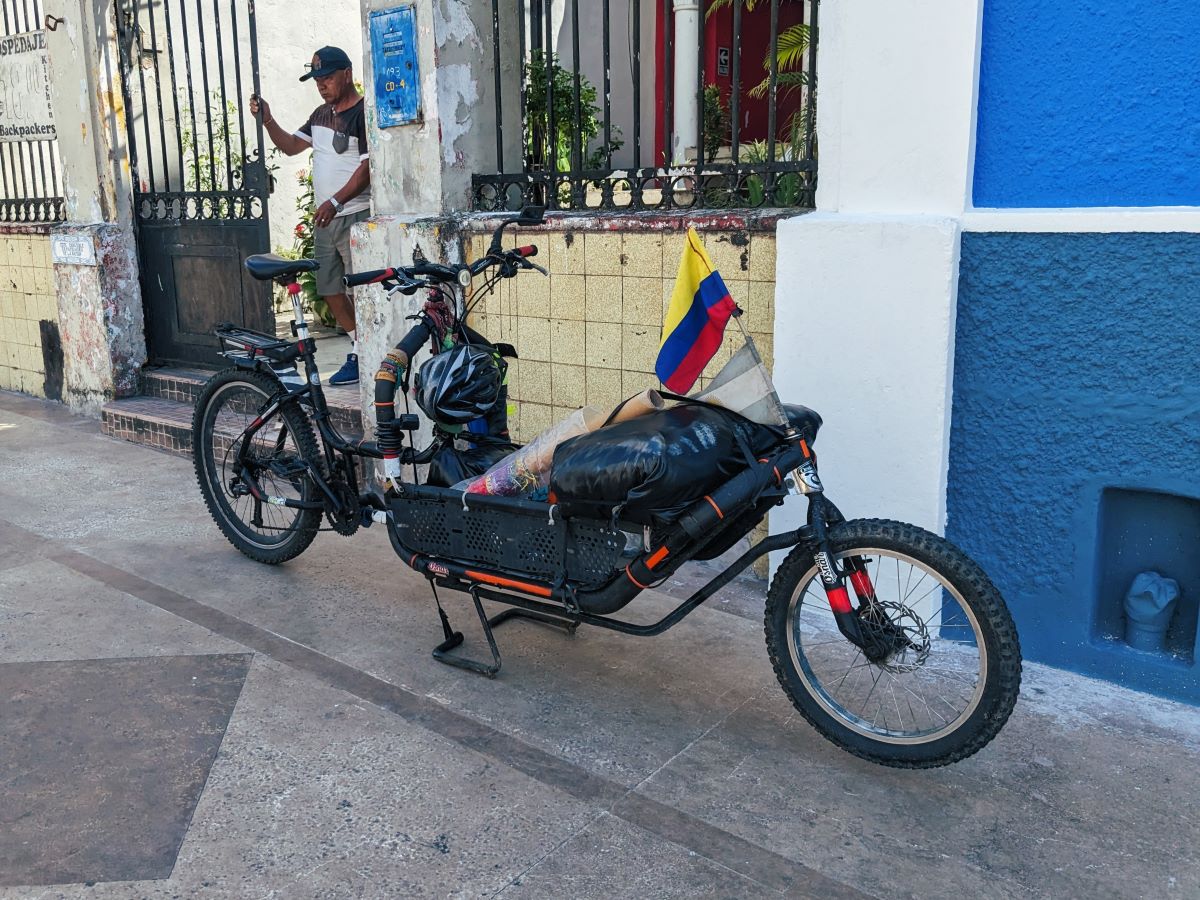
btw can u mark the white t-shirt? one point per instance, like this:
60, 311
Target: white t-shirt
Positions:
331, 170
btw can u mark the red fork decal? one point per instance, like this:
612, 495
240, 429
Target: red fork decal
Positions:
839, 601
862, 585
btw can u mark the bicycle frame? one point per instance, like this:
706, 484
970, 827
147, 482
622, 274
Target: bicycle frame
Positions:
560, 603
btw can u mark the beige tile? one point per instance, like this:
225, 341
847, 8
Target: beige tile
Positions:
25, 255
535, 418
532, 292
566, 341
568, 387
513, 375
639, 348
534, 337
641, 301
534, 384
603, 345
18, 306
761, 311
558, 413
604, 387
6, 309
730, 252
766, 349
602, 295
567, 297
636, 382
44, 256
642, 254
566, 253
31, 360
762, 257
603, 253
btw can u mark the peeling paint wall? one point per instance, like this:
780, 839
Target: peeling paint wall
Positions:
100, 320
425, 168
30, 349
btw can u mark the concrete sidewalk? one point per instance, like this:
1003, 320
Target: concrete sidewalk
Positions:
176, 720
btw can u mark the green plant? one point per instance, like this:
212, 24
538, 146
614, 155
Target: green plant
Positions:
215, 164
787, 184
541, 152
716, 121
790, 48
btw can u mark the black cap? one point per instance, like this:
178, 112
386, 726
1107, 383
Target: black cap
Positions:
333, 59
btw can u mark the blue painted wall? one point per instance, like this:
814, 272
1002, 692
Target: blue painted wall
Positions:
1089, 103
1076, 400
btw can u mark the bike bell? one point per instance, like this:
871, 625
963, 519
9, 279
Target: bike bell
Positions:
459, 385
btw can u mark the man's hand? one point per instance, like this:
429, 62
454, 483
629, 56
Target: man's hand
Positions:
324, 215
256, 104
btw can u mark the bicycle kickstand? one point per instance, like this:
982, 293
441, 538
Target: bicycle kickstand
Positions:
455, 638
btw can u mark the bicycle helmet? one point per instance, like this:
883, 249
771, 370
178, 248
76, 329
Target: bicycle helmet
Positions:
458, 385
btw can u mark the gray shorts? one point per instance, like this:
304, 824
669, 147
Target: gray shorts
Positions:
331, 247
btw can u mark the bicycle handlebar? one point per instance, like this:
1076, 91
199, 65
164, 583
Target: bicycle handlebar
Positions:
435, 273
372, 277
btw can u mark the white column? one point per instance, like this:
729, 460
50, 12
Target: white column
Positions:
866, 287
686, 44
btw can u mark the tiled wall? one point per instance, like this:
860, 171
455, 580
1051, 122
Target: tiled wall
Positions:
27, 298
589, 333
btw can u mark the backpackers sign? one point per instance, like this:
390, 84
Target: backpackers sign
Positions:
25, 88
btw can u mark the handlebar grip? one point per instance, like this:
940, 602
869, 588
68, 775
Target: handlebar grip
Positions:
527, 251
373, 277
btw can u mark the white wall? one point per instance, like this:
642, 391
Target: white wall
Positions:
867, 285
288, 33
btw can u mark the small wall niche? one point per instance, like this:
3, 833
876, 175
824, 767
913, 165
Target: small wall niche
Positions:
1148, 531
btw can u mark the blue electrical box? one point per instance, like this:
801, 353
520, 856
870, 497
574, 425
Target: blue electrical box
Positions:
397, 77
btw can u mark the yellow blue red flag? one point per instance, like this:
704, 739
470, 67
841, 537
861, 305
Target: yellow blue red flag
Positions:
695, 322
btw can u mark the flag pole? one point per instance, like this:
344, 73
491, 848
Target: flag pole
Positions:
776, 403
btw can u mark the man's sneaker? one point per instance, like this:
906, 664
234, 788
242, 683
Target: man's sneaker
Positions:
348, 373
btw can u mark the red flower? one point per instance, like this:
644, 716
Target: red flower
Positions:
300, 230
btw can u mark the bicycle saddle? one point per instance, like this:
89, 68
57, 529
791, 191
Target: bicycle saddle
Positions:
268, 265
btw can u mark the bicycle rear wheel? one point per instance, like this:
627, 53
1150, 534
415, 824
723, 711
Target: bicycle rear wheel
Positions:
275, 455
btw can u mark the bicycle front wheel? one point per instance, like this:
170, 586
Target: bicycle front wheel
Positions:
228, 450
951, 677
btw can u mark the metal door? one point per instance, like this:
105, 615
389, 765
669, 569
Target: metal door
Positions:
200, 175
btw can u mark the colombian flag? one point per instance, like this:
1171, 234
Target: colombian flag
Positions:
695, 323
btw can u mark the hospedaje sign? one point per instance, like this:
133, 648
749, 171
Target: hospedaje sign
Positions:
25, 88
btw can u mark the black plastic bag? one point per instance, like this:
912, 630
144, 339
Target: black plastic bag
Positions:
450, 465
649, 469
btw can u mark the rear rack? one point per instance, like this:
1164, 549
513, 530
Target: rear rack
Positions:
243, 343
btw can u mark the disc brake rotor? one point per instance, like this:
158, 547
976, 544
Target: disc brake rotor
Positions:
906, 631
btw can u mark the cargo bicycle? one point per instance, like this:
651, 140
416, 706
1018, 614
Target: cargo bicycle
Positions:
888, 639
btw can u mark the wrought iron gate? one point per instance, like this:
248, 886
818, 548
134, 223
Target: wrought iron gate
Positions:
200, 175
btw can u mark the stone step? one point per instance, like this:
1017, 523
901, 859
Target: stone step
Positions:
162, 416
184, 385
153, 421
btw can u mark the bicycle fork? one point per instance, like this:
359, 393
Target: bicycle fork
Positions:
876, 644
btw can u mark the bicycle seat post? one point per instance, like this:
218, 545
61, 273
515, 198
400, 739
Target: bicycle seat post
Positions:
294, 291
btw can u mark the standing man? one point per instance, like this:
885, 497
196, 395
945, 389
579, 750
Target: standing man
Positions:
337, 133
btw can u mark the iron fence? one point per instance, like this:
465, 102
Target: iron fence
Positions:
594, 136
190, 67
31, 190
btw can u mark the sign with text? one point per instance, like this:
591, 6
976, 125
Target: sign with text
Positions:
397, 76
73, 249
25, 88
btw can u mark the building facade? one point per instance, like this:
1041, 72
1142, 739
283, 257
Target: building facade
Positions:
1004, 262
